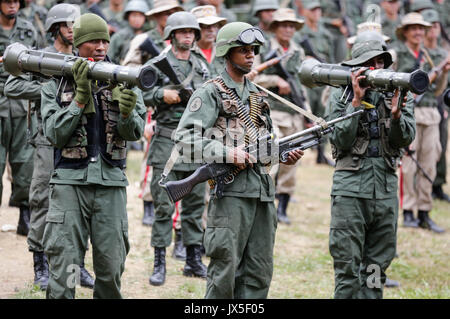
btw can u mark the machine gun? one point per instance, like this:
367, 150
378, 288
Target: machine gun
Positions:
265, 150
149, 47
296, 94
18, 59
163, 64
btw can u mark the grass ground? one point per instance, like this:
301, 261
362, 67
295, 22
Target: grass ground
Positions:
303, 266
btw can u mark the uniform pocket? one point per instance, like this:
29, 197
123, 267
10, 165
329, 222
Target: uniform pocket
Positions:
54, 234
217, 242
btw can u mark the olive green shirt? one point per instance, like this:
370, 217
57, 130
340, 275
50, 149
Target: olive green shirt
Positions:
374, 178
59, 124
120, 43
321, 41
198, 119
23, 32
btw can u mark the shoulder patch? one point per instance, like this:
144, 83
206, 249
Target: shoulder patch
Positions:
196, 104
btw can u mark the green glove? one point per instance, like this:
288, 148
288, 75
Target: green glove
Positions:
127, 101
83, 93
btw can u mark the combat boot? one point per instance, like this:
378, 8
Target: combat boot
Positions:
409, 220
86, 279
149, 213
426, 222
194, 266
283, 201
179, 251
23, 227
159, 268
40, 266
438, 193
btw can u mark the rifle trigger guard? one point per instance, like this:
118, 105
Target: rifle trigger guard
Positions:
162, 181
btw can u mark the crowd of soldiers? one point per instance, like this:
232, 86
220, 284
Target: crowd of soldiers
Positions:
72, 134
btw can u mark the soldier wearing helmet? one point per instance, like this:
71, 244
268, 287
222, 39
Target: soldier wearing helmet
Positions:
241, 225
37, 14
182, 30
367, 148
14, 144
59, 24
134, 14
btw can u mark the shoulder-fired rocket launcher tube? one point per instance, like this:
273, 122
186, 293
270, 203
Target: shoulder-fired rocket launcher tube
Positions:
18, 59
313, 73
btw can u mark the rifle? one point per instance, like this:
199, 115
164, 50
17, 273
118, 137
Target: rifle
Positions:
410, 154
163, 64
432, 75
149, 46
265, 150
309, 50
271, 62
296, 94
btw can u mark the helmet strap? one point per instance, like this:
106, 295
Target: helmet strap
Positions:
66, 41
236, 67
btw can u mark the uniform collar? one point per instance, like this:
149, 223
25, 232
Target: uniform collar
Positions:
229, 82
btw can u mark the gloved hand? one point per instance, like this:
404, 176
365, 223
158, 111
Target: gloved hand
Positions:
127, 101
83, 93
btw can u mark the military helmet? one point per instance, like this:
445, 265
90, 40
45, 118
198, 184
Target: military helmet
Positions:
137, 6
430, 15
368, 45
236, 34
261, 5
181, 20
419, 5
62, 12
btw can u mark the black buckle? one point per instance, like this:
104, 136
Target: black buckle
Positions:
374, 132
372, 151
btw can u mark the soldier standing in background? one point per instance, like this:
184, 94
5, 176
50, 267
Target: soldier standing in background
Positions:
134, 14
13, 116
37, 14
390, 19
285, 120
182, 30
263, 10
204, 48
88, 129
426, 148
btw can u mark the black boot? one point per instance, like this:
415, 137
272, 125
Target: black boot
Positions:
409, 220
438, 193
159, 269
390, 283
23, 227
149, 213
321, 157
194, 266
40, 266
426, 222
283, 201
179, 251
86, 279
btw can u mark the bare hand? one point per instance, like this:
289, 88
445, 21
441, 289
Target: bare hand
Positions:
358, 91
149, 130
171, 97
252, 74
397, 111
241, 158
293, 157
283, 87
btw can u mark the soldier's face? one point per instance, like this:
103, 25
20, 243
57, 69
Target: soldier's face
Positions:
66, 31
136, 20
95, 49
314, 14
376, 63
161, 18
391, 7
209, 32
243, 56
184, 38
434, 32
285, 31
414, 33
10, 7
266, 16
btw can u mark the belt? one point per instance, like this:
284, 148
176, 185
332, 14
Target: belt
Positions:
164, 131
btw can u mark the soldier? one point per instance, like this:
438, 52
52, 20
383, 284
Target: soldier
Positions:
59, 25
37, 14
431, 43
113, 12
88, 128
241, 225
263, 10
426, 148
317, 41
390, 18
182, 30
204, 48
13, 116
364, 204
134, 13
285, 120
162, 9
